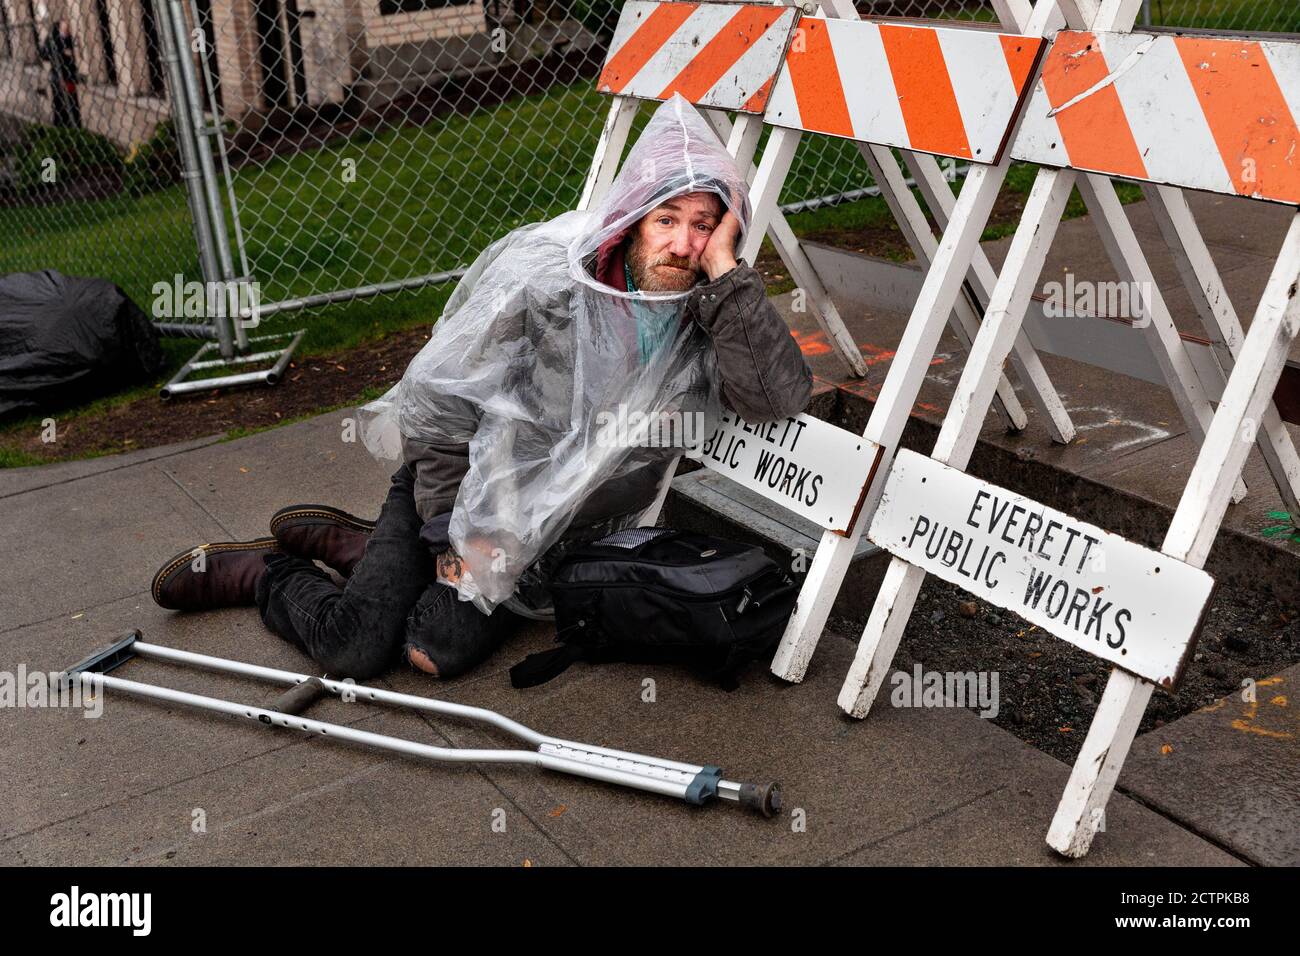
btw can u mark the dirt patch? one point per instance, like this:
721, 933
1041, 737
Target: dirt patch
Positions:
310, 385
1048, 689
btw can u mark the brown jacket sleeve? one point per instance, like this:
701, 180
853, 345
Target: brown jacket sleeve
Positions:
438, 472
764, 375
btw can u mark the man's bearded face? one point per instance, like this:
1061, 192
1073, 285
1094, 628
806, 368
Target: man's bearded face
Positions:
666, 246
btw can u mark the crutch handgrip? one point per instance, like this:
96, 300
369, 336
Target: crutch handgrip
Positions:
299, 697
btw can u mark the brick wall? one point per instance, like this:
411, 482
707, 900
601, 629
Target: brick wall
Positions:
126, 113
424, 25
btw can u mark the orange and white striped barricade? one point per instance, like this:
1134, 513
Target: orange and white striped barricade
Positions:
1136, 608
929, 91
721, 57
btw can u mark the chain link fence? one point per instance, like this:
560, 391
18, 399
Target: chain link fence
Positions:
1253, 16
332, 150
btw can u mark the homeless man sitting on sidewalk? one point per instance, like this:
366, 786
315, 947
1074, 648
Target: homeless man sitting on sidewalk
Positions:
516, 422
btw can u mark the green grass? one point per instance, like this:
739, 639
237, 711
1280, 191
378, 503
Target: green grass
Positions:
1240, 15
14, 458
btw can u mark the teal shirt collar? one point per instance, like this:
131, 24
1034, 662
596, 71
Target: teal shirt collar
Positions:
654, 326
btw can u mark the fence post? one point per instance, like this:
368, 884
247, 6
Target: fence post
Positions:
189, 163
201, 134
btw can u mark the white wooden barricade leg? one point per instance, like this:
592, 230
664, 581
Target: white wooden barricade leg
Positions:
948, 268
1195, 524
1002, 320
609, 150
1218, 316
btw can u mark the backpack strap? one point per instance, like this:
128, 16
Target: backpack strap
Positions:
544, 665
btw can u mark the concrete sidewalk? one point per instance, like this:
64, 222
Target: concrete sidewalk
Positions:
908, 786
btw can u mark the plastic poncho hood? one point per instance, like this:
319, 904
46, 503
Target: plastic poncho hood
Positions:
542, 368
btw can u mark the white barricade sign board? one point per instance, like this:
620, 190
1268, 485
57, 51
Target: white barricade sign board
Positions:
1136, 608
808, 466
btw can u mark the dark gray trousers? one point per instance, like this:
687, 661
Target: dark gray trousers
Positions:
391, 600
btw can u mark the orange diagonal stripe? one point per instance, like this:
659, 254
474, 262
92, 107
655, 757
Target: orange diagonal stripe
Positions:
816, 80
644, 43
925, 95
1020, 53
1095, 130
720, 54
758, 102
1247, 114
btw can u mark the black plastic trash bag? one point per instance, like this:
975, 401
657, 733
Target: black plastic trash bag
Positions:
64, 340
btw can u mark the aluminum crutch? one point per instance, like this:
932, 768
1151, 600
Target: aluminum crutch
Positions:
690, 782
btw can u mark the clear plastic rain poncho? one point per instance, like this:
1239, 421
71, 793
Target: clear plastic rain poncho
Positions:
541, 368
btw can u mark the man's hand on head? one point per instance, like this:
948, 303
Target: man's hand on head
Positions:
719, 256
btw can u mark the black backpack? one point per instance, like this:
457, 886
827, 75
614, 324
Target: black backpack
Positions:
655, 595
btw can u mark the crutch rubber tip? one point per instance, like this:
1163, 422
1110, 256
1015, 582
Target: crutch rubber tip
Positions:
765, 798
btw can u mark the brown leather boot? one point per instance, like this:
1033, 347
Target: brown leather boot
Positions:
212, 575
322, 533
